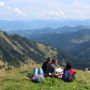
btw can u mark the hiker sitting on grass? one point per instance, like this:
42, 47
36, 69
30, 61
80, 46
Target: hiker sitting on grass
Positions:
68, 73
45, 64
58, 71
38, 75
53, 69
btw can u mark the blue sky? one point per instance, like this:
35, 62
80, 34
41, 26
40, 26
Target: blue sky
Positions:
44, 9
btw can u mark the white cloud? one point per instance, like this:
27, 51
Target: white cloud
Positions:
51, 14
57, 13
16, 10
2, 4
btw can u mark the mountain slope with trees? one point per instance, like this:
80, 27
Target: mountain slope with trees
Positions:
65, 41
16, 50
82, 51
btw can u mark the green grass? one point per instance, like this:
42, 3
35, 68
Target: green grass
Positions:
16, 79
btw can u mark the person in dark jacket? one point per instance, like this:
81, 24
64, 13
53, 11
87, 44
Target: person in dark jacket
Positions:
51, 67
45, 64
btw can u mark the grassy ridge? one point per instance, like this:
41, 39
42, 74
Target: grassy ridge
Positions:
16, 79
16, 50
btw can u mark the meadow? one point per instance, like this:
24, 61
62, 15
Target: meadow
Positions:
17, 79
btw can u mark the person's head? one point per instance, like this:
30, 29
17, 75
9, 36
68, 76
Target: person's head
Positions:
68, 66
54, 61
48, 59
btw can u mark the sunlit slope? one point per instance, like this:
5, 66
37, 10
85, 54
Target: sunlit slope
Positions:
16, 50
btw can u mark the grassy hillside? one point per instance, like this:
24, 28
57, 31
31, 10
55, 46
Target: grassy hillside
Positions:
16, 51
16, 79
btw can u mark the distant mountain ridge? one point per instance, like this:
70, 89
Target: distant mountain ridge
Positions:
65, 41
36, 24
47, 30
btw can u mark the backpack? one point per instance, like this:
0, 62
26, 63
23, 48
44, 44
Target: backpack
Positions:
66, 76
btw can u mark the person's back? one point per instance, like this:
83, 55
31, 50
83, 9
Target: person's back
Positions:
68, 73
51, 66
45, 64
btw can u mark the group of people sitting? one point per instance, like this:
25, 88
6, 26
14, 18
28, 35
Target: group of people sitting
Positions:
51, 69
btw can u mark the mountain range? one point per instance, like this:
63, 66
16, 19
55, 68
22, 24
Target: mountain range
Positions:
37, 24
47, 30
65, 38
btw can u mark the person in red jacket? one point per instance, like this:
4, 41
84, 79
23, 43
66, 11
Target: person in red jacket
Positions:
68, 73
